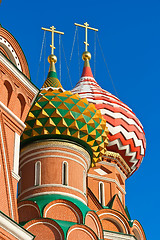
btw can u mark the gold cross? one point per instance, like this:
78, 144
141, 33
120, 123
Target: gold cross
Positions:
52, 29
86, 26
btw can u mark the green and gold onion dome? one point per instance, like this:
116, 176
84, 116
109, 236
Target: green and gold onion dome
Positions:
57, 113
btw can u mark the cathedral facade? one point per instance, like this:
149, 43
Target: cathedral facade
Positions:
70, 153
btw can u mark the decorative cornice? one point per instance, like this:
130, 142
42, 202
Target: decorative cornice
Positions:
107, 179
64, 145
12, 52
53, 156
54, 192
53, 185
121, 161
115, 166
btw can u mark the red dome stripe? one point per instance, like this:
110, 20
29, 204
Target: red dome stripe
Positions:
126, 134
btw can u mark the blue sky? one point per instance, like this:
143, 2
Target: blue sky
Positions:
129, 33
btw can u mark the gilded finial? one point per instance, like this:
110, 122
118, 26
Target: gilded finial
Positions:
52, 30
52, 80
52, 58
86, 55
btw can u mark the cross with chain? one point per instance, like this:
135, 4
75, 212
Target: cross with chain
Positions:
52, 30
86, 26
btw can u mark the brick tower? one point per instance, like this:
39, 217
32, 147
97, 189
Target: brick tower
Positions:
17, 94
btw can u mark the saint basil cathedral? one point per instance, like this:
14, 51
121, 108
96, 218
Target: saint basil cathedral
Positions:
69, 152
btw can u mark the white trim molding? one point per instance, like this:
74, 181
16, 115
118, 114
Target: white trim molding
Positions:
30, 205
53, 185
19, 75
117, 236
7, 172
63, 204
81, 229
50, 156
107, 179
6, 109
47, 223
136, 226
111, 214
12, 52
54, 193
15, 176
95, 221
14, 229
16, 153
115, 166
53, 144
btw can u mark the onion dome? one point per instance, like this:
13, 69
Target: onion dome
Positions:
126, 135
61, 114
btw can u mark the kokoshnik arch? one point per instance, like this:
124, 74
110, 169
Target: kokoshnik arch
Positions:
77, 149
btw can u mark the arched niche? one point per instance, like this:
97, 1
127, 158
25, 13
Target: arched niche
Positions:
6, 94
137, 234
20, 104
110, 224
7, 52
28, 210
2, 49
113, 220
63, 210
92, 220
45, 229
79, 232
138, 231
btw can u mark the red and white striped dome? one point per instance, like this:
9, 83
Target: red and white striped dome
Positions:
126, 135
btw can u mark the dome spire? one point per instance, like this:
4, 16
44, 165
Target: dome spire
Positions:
86, 56
52, 80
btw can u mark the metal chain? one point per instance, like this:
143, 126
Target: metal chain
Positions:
44, 35
95, 54
78, 54
60, 57
107, 66
66, 64
44, 57
72, 47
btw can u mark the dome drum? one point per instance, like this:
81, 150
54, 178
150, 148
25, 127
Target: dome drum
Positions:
50, 164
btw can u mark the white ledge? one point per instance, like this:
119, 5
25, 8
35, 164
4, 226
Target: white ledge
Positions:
16, 176
14, 229
19, 75
118, 236
107, 179
12, 114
